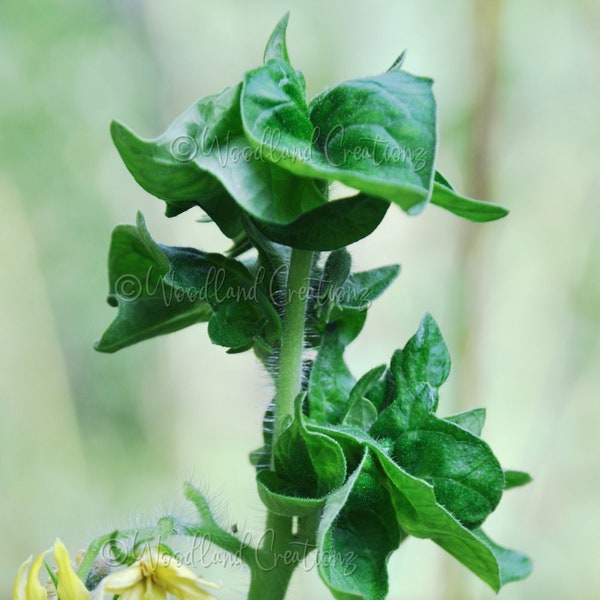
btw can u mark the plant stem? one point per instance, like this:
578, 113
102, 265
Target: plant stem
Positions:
289, 377
281, 550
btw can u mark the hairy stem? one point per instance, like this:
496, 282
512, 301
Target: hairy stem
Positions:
289, 377
282, 549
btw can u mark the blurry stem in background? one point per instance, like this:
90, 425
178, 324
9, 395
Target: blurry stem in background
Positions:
485, 40
486, 21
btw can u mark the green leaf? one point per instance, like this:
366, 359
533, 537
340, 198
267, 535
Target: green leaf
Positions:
425, 357
276, 46
474, 210
361, 289
160, 289
471, 420
164, 167
330, 226
308, 464
362, 413
357, 534
280, 497
375, 134
461, 467
514, 479
148, 305
330, 380
419, 513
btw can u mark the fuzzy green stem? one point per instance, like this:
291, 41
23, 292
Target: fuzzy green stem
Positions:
289, 377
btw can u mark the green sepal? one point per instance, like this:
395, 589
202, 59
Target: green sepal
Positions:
478, 211
177, 287
513, 479
357, 533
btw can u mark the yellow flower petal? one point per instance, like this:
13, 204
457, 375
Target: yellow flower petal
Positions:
154, 575
27, 585
70, 587
119, 582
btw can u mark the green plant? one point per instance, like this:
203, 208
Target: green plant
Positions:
349, 468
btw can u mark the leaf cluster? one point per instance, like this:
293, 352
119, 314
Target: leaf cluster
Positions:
375, 458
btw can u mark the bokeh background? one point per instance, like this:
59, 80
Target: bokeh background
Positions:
89, 442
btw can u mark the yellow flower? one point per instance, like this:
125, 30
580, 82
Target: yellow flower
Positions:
27, 584
153, 576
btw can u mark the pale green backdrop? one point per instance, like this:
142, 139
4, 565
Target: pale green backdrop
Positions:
89, 442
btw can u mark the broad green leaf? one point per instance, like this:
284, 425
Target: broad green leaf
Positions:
159, 289
357, 534
514, 479
205, 158
461, 467
164, 167
471, 420
307, 464
148, 305
330, 380
419, 513
375, 134
330, 226
444, 196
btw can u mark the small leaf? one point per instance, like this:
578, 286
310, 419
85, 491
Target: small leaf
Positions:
474, 210
471, 420
363, 288
513, 479
308, 464
330, 380
362, 413
425, 357
357, 534
276, 46
280, 497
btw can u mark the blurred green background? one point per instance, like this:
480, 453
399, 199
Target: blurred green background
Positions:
90, 442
